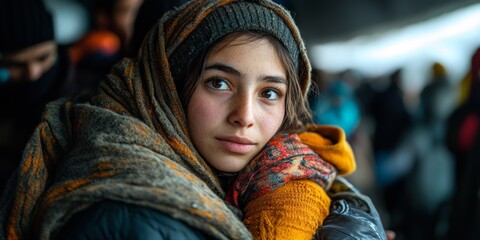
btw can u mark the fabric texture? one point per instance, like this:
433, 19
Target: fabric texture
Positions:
282, 193
130, 221
128, 143
295, 210
23, 23
331, 144
284, 159
240, 16
352, 215
205, 27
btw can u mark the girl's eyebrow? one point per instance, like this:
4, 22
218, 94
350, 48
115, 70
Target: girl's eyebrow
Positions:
275, 79
231, 70
224, 68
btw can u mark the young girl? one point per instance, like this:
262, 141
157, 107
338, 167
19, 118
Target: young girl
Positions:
184, 140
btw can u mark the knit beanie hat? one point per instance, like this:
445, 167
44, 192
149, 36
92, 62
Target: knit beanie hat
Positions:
220, 18
23, 23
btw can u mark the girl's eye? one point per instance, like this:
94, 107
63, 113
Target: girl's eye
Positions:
271, 94
217, 84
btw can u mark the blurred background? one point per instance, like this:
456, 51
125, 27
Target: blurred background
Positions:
373, 37
399, 76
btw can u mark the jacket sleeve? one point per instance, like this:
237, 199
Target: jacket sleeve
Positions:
117, 220
294, 210
352, 215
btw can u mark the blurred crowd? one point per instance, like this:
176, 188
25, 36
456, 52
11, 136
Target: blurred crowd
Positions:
416, 153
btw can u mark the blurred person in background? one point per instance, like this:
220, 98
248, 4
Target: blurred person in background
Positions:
464, 88
336, 104
33, 71
334, 101
463, 140
391, 123
106, 42
430, 182
437, 101
392, 118
114, 16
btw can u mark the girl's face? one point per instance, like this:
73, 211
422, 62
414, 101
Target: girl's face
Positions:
239, 103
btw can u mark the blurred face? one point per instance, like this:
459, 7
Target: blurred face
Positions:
239, 103
124, 14
31, 63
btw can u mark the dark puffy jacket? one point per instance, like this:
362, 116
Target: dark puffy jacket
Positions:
352, 215
117, 220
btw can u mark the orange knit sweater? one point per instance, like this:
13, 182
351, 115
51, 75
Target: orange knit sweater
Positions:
296, 209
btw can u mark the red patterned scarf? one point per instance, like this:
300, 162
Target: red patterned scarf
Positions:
284, 158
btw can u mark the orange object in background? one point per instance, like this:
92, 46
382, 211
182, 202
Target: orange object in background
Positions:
101, 41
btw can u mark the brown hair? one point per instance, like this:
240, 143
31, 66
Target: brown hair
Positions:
297, 110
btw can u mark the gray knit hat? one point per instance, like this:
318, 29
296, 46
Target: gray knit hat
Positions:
24, 23
234, 16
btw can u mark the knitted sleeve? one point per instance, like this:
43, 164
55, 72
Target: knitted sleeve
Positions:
294, 210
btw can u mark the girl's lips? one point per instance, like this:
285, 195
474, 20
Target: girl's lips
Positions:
236, 144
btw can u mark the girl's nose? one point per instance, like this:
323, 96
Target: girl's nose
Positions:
242, 112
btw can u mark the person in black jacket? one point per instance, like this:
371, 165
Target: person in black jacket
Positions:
33, 71
463, 140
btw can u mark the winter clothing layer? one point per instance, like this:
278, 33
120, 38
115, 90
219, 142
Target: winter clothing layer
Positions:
202, 23
84, 153
316, 154
296, 208
279, 205
353, 215
331, 144
285, 158
130, 221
